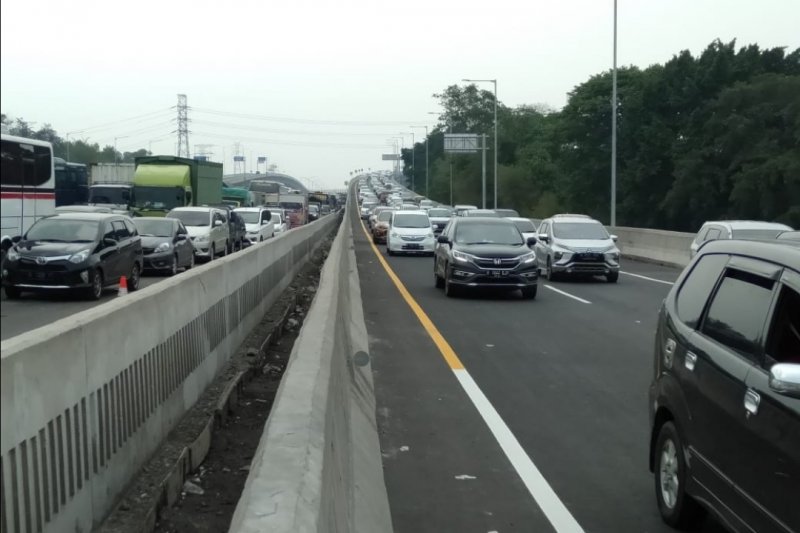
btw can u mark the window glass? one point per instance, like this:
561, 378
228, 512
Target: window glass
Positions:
713, 234
738, 311
697, 287
25, 164
122, 231
109, 232
131, 227
544, 228
784, 336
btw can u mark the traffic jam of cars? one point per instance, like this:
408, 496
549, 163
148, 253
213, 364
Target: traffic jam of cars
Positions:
724, 400
83, 249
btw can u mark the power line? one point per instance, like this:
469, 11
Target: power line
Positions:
288, 132
114, 123
287, 143
299, 120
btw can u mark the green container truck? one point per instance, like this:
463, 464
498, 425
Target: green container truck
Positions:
163, 182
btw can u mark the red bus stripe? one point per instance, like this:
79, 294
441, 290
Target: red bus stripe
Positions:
28, 195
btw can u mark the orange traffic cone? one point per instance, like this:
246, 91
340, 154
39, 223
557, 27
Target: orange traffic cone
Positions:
123, 286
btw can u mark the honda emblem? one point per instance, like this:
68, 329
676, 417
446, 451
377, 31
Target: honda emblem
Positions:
498, 262
41, 260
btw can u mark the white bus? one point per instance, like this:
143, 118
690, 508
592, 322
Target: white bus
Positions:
27, 185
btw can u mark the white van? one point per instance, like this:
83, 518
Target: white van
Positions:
207, 227
410, 232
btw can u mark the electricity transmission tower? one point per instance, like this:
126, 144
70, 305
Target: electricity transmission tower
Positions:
183, 127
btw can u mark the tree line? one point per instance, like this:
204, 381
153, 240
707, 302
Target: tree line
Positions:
76, 151
716, 136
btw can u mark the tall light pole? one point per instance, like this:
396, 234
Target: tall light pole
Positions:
614, 127
494, 81
426, 157
413, 163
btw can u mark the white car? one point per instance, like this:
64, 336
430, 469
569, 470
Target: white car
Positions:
258, 222
736, 229
279, 221
410, 232
207, 227
525, 226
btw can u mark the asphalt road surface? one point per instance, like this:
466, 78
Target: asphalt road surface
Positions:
34, 310
546, 426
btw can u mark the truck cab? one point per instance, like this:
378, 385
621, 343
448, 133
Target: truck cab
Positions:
163, 183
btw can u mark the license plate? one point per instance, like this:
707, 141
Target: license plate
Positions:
413, 246
39, 275
498, 273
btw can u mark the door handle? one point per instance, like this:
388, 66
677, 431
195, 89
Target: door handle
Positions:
751, 401
690, 361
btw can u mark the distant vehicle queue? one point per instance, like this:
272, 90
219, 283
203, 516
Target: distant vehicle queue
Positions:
173, 212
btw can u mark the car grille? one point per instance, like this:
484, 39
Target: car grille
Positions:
497, 263
148, 251
28, 264
411, 238
588, 256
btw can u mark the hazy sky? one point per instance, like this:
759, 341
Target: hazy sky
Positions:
320, 88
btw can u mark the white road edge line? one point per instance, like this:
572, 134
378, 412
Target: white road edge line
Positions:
559, 291
544, 495
648, 279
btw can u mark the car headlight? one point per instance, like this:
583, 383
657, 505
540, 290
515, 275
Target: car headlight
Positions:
12, 254
394, 234
461, 256
430, 235
163, 247
201, 238
79, 257
558, 255
527, 258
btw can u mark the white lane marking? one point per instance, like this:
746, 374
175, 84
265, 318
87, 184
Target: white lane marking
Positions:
463, 477
559, 291
647, 278
553, 508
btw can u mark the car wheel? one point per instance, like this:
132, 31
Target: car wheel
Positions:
389, 250
374, 239
174, 269
225, 251
551, 276
191, 261
612, 277
449, 289
95, 290
133, 279
529, 293
213, 253
677, 508
12, 293
438, 281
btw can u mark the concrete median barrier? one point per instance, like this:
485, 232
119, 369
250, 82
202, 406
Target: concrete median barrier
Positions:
660, 246
86, 400
318, 466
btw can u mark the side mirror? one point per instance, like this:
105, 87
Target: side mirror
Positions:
784, 378
614, 238
217, 223
110, 242
543, 237
442, 239
531, 241
16, 238
181, 236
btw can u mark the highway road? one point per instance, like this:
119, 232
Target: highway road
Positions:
35, 310
546, 426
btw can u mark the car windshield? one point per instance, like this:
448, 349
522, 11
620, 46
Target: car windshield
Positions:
63, 230
384, 216
506, 212
158, 197
276, 218
249, 217
291, 205
756, 233
488, 234
109, 195
192, 218
790, 235
440, 213
579, 230
411, 220
525, 226
156, 228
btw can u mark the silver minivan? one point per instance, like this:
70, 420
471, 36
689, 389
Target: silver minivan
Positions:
208, 229
576, 244
736, 229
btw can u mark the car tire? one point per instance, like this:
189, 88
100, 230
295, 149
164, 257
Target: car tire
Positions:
389, 250
529, 293
174, 269
12, 293
374, 239
135, 277
449, 289
677, 508
191, 261
438, 281
612, 277
550, 275
213, 253
95, 290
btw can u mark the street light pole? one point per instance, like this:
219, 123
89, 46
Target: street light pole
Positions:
614, 127
413, 163
494, 81
426, 158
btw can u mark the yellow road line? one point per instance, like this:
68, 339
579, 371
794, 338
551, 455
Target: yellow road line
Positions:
444, 347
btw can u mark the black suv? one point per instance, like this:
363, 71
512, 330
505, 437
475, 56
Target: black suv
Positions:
485, 252
85, 251
725, 397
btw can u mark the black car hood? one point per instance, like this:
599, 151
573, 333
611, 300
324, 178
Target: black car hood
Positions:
151, 241
51, 249
492, 250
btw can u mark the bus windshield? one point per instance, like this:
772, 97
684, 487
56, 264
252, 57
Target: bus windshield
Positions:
99, 194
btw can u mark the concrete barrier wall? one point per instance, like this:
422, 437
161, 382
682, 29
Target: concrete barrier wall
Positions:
318, 466
668, 247
86, 400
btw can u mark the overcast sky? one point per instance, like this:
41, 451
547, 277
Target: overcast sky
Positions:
321, 87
